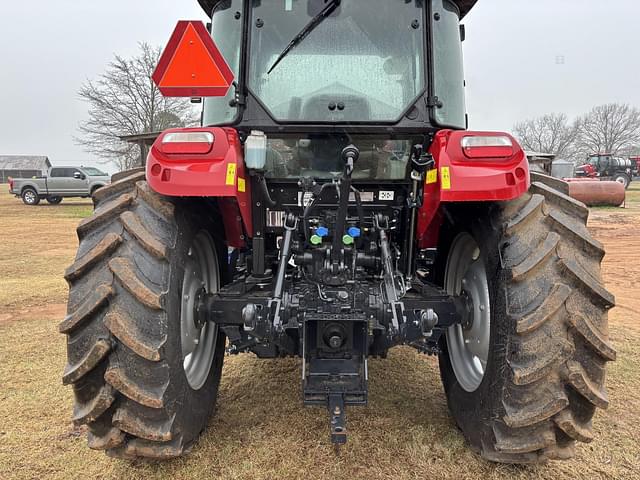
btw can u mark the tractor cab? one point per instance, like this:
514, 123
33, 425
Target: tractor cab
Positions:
379, 74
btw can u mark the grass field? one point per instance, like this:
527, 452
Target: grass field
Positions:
261, 430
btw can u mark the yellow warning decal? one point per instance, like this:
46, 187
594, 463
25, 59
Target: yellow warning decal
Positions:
432, 176
242, 185
231, 174
445, 178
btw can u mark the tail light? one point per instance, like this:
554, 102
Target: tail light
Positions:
10, 183
189, 143
499, 146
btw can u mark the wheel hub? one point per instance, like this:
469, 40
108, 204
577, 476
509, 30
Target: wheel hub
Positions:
467, 318
199, 317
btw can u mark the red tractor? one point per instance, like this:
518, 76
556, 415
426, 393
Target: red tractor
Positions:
607, 167
332, 206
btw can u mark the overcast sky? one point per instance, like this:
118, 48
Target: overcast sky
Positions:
523, 58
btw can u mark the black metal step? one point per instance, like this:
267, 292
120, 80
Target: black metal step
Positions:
326, 377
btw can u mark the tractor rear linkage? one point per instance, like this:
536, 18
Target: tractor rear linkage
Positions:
254, 318
335, 323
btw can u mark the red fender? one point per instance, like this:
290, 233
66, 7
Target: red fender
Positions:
206, 170
499, 174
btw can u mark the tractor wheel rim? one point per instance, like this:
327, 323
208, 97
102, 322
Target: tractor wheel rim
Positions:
198, 342
469, 345
29, 196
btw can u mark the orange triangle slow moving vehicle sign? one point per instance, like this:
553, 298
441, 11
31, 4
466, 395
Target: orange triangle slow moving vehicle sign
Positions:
191, 64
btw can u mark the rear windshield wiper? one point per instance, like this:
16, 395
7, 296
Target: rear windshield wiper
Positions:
315, 21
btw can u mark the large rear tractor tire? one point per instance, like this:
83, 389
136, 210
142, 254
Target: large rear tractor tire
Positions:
525, 374
145, 376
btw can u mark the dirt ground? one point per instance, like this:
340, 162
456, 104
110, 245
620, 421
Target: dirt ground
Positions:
261, 430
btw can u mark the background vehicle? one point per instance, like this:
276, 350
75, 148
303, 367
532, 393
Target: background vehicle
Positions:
60, 182
608, 167
591, 193
332, 207
541, 162
636, 161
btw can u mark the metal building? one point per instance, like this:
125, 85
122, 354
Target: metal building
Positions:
22, 166
561, 168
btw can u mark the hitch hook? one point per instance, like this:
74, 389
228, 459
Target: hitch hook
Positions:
338, 419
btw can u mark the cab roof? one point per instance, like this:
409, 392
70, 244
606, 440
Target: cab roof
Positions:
464, 5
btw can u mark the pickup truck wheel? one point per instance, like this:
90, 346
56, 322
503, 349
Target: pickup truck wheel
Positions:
525, 374
145, 374
54, 200
30, 197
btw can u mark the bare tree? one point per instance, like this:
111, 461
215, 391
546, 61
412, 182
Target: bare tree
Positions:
611, 128
550, 133
125, 101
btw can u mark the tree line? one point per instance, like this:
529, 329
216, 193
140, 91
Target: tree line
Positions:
125, 101
612, 128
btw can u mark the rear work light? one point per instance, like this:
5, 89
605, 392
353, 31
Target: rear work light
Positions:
191, 143
487, 147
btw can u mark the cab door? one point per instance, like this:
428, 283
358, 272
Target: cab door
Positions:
57, 183
68, 182
78, 181
604, 166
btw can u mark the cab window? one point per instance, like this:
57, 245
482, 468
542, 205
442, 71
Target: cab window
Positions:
363, 63
226, 29
318, 156
448, 70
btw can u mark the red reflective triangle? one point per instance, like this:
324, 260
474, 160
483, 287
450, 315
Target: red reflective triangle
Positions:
191, 65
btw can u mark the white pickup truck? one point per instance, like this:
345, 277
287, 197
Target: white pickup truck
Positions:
60, 182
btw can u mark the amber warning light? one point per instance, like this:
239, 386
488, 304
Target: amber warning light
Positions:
191, 64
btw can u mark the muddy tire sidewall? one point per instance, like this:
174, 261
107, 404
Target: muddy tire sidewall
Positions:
474, 410
194, 406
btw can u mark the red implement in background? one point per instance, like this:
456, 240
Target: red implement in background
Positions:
596, 193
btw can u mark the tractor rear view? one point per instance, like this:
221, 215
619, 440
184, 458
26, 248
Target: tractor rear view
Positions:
332, 207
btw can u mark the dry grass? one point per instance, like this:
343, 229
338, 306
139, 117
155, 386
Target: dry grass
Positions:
633, 193
261, 430
38, 243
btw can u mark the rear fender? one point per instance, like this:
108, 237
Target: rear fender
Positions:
20, 187
219, 173
458, 178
